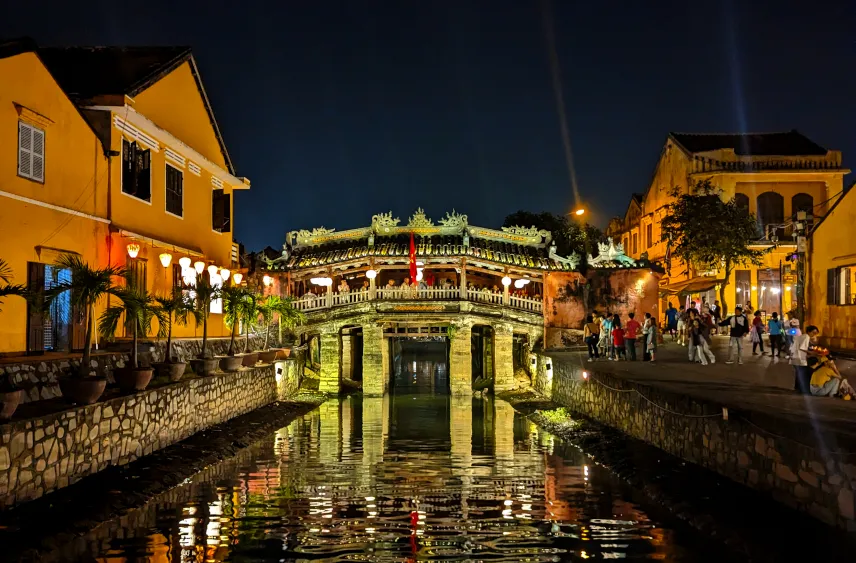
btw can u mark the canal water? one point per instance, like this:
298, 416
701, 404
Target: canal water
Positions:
414, 476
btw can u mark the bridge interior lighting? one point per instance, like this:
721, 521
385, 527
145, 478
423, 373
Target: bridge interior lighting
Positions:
324, 282
371, 274
506, 281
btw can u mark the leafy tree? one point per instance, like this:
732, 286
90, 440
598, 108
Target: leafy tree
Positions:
139, 307
569, 235
708, 232
177, 307
234, 309
8, 288
204, 293
289, 316
87, 286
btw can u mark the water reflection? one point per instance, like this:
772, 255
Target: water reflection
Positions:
398, 478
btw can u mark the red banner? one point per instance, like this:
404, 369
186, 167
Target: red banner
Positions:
412, 260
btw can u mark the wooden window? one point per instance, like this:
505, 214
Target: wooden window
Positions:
221, 213
137, 268
136, 171
771, 214
742, 200
31, 152
743, 286
174, 191
649, 232
635, 243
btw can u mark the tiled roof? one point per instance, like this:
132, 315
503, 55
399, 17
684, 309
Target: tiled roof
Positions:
434, 246
789, 143
85, 72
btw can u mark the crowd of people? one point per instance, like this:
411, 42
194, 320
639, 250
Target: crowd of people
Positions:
606, 338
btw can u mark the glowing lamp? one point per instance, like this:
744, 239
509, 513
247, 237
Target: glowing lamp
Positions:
324, 282
236, 279
775, 290
225, 273
133, 249
788, 287
184, 261
506, 281
739, 290
200, 267
754, 288
579, 212
420, 263
267, 280
419, 275
212, 270
371, 274
585, 375
165, 259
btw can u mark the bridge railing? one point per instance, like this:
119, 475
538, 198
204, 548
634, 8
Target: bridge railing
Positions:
311, 302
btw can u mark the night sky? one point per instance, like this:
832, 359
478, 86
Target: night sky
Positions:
340, 110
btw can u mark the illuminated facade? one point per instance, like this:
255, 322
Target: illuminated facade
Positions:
119, 160
775, 175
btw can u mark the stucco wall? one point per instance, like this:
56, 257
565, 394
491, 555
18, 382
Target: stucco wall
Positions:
793, 474
40, 455
569, 297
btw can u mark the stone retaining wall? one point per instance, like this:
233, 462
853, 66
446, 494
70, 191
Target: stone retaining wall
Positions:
40, 455
783, 459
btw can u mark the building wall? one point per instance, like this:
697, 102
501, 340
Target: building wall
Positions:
832, 245
75, 179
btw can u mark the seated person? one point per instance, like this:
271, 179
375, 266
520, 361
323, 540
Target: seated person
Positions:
826, 380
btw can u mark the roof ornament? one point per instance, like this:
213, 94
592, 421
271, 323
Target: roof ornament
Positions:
420, 220
573, 260
611, 255
532, 231
385, 221
453, 220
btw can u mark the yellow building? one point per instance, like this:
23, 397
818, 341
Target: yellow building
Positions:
116, 147
774, 175
831, 298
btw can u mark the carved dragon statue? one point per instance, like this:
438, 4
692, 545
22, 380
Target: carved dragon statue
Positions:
610, 254
419, 219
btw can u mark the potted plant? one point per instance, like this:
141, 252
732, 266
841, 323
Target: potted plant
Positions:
176, 308
138, 307
249, 318
234, 298
289, 317
87, 286
10, 396
205, 363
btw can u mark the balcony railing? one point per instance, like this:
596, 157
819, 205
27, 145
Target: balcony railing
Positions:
311, 302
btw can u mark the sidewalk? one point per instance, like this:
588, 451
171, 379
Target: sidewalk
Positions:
760, 385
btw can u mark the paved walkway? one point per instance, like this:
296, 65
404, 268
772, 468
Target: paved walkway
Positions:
760, 385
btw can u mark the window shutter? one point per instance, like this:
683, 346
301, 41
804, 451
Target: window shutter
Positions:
35, 317
129, 177
846, 299
217, 210
38, 155
25, 150
227, 213
831, 287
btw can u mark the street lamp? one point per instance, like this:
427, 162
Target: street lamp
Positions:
580, 211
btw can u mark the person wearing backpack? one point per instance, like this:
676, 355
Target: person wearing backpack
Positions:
776, 329
738, 326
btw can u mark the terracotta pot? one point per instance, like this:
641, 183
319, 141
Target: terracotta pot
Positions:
9, 401
267, 356
172, 370
250, 359
231, 363
283, 353
204, 366
133, 379
82, 390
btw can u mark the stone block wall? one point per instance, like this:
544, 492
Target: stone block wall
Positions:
771, 455
38, 376
40, 455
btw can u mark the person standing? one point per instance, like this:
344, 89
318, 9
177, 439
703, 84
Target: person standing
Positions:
672, 320
791, 332
605, 341
650, 331
775, 328
738, 326
591, 332
700, 339
757, 333
631, 331
682, 326
617, 339
716, 313
692, 344
800, 353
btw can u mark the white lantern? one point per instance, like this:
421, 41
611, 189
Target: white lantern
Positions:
213, 270
184, 261
236, 279
165, 259
519, 284
371, 274
200, 267
506, 281
225, 273
419, 275
267, 280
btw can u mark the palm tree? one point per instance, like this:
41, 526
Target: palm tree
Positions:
139, 308
8, 288
87, 286
288, 315
204, 294
176, 307
249, 316
234, 308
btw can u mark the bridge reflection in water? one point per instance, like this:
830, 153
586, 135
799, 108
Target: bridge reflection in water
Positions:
403, 477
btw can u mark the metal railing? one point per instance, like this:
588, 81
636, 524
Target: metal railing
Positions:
312, 302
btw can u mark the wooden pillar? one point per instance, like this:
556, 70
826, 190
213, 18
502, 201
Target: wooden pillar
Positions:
463, 291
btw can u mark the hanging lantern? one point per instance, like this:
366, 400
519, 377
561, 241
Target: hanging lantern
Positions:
506, 281
212, 270
236, 279
200, 267
224, 273
165, 259
184, 261
267, 280
133, 249
371, 274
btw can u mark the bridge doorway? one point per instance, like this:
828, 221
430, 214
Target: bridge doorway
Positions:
483, 353
352, 353
420, 365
